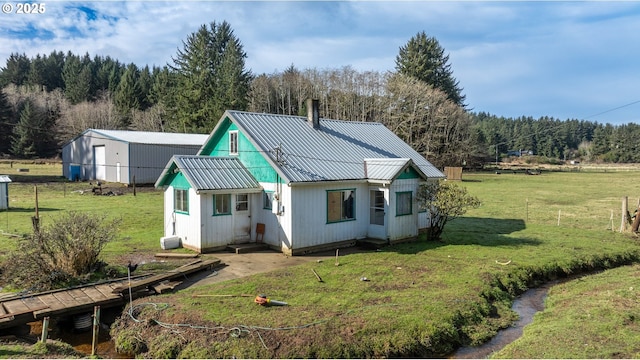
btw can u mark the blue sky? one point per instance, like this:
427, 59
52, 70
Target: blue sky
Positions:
539, 58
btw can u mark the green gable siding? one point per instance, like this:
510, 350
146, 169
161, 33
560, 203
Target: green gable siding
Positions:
179, 182
250, 157
412, 174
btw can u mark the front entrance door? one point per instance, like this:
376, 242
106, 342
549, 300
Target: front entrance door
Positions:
242, 219
377, 214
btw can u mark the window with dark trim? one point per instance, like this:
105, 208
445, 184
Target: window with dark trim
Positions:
221, 204
181, 200
267, 200
404, 203
233, 142
341, 205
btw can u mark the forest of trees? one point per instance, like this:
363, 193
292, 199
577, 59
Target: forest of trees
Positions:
48, 99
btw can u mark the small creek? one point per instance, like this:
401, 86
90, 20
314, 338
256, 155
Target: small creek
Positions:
526, 306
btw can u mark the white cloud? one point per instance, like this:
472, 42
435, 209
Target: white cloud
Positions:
561, 59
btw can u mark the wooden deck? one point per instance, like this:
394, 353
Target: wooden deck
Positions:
21, 309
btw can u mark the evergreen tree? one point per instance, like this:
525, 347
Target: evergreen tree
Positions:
37, 72
144, 84
77, 76
54, 64
210, 77
16, 71
7, 123
423, 58
127, 96
32, 135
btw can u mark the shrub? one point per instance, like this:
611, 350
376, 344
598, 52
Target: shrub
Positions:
61, 253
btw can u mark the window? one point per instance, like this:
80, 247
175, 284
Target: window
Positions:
242, 202
404, 203
233, 142
267, 200
222, 204
341, 205
181, 200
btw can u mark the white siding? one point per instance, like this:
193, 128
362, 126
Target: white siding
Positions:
309, 215
187, 226
277, 227
4, 192
406, 226
217, 231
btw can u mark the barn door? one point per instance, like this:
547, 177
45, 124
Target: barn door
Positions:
100, 162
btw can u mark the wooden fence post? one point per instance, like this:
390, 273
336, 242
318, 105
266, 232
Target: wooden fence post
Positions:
625, 211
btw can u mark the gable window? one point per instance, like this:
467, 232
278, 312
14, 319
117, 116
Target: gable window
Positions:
222, 204
341, 205
242, 202
233, 142
181, 200
267, 200
404, 203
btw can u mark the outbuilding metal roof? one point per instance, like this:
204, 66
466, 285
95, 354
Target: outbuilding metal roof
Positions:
207, 173
334, 151
150, 137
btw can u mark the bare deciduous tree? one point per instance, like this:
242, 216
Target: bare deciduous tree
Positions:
428, 121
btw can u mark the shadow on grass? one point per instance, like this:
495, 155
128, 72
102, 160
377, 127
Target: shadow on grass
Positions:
29, 210
37, 179
471, 231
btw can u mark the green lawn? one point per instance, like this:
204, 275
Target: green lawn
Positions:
141, 215
596, 316
422, 299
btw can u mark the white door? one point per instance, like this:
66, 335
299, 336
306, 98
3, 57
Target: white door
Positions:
118, 172
241, 219
100, 163
377, 214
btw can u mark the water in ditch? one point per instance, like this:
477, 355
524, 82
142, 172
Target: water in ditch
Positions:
526, 306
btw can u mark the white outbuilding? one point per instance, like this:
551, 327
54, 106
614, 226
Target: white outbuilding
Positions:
4, 192
123, 156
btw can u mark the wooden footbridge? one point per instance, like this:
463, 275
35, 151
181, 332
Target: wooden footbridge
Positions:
22, 309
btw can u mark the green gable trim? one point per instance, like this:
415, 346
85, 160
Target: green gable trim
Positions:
410, 174
216, 138
251, 158
180, 182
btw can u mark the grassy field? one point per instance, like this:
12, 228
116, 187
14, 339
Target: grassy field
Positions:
141, 215
596, 316
422, 299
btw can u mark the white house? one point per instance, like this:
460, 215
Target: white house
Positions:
124, 156
311, 183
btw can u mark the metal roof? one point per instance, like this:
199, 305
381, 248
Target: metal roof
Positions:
387, 169
207, 173
5, 179
334, 151
149, 137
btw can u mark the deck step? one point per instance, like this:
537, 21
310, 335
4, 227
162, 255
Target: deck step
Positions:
247, 248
